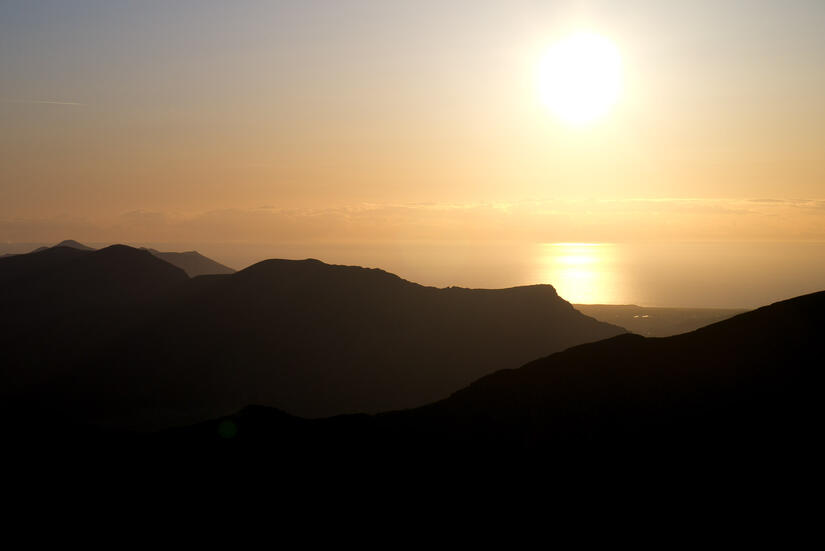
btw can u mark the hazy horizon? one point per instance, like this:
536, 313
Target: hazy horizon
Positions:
687, 275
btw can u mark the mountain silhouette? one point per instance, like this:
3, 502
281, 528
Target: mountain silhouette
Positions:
61, 304
142, 345
113, 275
193, 263
70, 243
744, 388
73, 244
30, 267
37, 250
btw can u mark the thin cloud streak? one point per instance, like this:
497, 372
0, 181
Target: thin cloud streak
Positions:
40, 102
594, 221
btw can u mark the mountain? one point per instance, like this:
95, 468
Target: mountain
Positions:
193, 263
739, 393
37, 250
71, 243
25, 268
311, 338
68, 275
61, 304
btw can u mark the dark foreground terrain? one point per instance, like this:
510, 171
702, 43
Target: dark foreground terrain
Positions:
738, 400
745, 390
119, 335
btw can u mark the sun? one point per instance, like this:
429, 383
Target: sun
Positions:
580, 78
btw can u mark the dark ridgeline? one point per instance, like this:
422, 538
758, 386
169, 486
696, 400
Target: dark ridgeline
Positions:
193, 263
69, 243
123, 338
741, 394
62, 304
26, 269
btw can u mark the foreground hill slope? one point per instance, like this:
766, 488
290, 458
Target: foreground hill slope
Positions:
748, 385
311, 338
745, 378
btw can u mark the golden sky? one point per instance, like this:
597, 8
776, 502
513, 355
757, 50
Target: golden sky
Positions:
359, 121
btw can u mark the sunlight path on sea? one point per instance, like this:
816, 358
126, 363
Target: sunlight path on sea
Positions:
580, 272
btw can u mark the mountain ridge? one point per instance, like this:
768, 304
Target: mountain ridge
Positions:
74, 244
192, 262
313, 338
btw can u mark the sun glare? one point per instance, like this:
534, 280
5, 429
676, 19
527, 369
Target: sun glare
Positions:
580, 78
580, 272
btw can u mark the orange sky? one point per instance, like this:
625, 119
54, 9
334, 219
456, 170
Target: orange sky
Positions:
362, 121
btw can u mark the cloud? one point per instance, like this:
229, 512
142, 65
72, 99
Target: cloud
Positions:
639, 219
40, 102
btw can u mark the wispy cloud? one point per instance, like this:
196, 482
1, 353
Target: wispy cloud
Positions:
40, 102
631, 219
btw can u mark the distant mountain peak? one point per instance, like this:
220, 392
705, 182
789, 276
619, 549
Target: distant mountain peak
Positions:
74, 245
191, 262
311, 267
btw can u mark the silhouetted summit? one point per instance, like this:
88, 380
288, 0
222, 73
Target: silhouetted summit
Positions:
115, 274
63, 276
62, 304
191, 262
74, 244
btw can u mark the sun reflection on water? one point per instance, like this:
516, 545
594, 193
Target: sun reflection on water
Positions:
581, 272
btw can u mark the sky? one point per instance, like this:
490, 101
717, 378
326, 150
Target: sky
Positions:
397, 121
